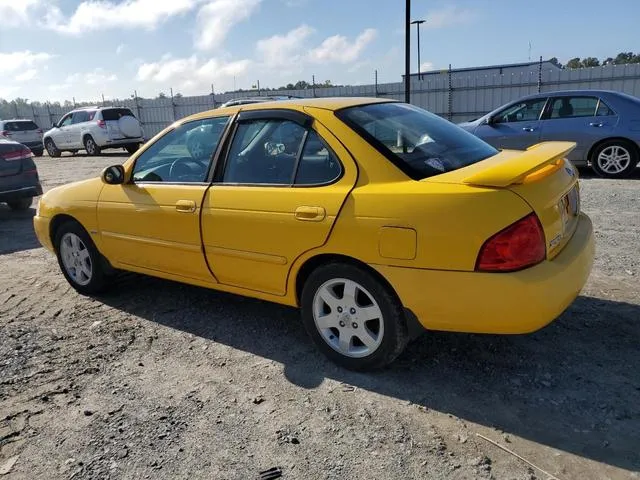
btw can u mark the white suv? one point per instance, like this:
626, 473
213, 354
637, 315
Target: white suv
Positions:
94, 129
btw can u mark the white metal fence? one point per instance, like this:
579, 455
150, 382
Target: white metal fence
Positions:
457, 96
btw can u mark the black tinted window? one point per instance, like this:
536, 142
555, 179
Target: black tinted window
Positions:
80, 117
318, 164
420, 143
572, 107
116, 113
20, 125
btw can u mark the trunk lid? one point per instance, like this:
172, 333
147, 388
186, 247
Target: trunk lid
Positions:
541, 176
12, 155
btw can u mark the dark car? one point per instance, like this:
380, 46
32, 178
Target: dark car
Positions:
19, 181
605, 126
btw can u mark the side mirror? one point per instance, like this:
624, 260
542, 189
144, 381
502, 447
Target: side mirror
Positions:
491, 120
54, 125
113, 175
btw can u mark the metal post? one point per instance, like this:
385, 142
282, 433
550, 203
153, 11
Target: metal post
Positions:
407, 57
50, 117
376, 81
173, 105
15, 107
313, 85
33, 111
213, 96
450, 112
135, 98
540, 75
74, 102
417, 24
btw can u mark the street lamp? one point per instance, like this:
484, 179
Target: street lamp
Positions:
407, 59
417, 23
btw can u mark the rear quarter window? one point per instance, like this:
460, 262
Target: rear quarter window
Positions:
21, 125
116, 113
418, 142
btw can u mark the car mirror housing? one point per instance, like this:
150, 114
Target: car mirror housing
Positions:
113, 175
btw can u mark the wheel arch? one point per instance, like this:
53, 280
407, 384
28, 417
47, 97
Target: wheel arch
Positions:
596, 145
86, 134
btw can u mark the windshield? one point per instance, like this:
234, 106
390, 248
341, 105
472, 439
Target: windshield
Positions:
418, 142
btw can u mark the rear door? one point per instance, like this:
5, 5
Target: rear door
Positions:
74, 132
275, 196
583, 119
516, 127
24, 131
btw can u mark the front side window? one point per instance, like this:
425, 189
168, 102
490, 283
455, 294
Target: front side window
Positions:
525, 111
279, 152
418, 142
183, 155
65, 121
573, 107
80, 117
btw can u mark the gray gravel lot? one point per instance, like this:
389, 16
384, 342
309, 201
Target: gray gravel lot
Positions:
166, 381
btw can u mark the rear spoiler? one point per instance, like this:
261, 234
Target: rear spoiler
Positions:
514, 170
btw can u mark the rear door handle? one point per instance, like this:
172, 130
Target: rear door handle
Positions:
186, 206
310, 214
528, 129
596, 124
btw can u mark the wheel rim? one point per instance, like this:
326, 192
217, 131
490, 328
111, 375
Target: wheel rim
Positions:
197, 150
76, 258
614, 159
90, 146
348, 318
51, 149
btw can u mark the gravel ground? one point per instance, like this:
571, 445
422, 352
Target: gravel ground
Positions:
166, 381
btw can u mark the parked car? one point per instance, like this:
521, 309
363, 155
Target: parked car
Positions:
24, 131
377, 218
19, 181
94, 129
605, 126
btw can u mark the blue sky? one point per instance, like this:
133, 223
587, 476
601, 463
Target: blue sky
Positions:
58, 49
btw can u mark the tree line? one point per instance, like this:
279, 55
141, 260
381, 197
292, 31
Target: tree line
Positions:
623, 58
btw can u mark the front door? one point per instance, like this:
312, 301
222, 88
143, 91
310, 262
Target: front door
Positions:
517, 127
61, 134
274, 197
153, 220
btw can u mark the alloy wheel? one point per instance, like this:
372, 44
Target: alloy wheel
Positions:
76, 258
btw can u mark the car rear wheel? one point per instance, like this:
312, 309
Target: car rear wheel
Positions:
91, 146
79, 259
37, 153
614, 159
21, 204
353, 317
52, 150
132, 148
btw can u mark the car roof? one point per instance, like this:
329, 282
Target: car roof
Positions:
326, 103
557, 93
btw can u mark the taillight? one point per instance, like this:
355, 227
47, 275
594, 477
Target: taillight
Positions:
101, 123
15, 155
5, 133
39, 131
518, 246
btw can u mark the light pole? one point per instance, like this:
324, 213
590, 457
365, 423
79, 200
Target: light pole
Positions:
417, 23
407, 58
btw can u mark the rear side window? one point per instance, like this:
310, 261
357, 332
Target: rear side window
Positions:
572, 107
116, 113
20, 125
419, 143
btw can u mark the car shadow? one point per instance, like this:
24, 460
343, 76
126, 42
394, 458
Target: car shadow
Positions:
16, 230
573, 386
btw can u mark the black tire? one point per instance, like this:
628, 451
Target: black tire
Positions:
625, 149
394, 337
100, 280
90, 145
20, 204
132, 148
37, 153
52, 150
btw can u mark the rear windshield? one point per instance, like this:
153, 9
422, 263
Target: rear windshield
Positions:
116, 113
418, 142
19, 125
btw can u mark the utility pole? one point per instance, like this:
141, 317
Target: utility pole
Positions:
417, 23
313, 85
407, 52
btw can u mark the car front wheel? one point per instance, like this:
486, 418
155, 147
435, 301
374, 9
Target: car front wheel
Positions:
79, 259
353, 317
52, 150
614, 159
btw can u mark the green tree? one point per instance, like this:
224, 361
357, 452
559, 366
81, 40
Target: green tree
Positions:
574, 63
590, 62
556, 62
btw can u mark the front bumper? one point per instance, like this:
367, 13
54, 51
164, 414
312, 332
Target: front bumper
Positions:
41, 226
499, 303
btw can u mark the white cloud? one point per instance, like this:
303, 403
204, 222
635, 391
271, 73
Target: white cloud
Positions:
339, 49
448, 16
120, 48
93, 15
426, 66
16, 61
16, 12
190, 74
216, 18
94, 77
283, 50
27, 75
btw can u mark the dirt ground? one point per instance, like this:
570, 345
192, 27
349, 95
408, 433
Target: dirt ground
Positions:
165, 381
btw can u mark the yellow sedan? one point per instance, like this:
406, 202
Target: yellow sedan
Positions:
378, 219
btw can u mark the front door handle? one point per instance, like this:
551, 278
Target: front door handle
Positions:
596, 124
310, 214
185, 206
528, 129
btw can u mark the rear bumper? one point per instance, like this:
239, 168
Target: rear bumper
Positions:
106, 142
41, 227
500, 303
